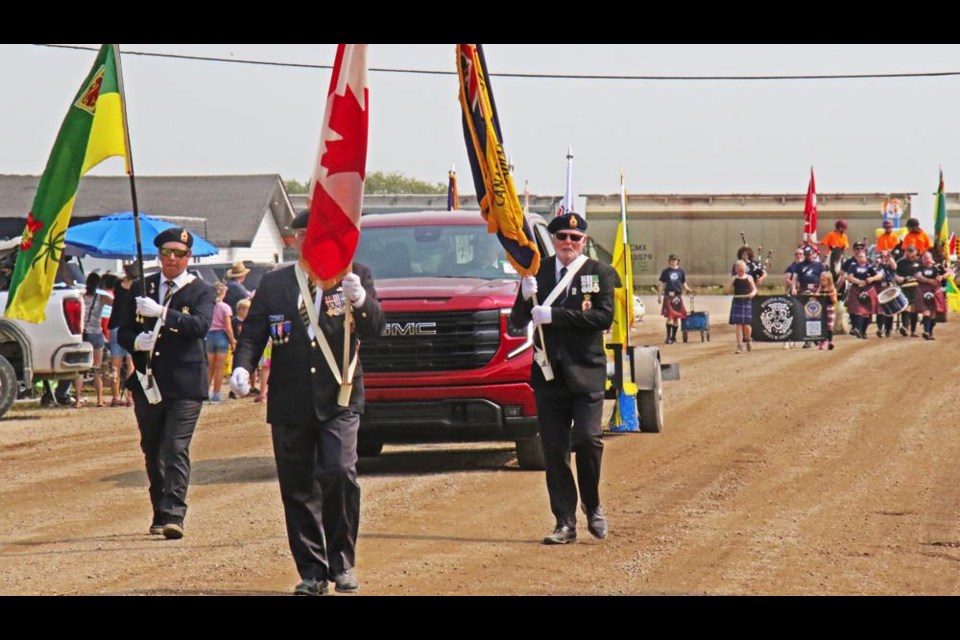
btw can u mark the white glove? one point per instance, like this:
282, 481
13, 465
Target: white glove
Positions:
542, 315
149, 308
353, 289
528, 287
143, 342
240, 382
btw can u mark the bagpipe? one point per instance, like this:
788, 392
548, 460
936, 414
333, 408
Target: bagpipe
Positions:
759, 265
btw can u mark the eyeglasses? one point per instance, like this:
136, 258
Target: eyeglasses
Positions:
572, 237
180, 253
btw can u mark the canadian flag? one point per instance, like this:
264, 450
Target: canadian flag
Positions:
810, 212
336, 189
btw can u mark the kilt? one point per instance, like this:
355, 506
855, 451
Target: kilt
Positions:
673, 308
741, 311
857, 307
937, 305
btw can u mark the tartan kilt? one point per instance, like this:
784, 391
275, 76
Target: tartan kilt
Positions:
856, 306
937, 305
673, 308
741, 311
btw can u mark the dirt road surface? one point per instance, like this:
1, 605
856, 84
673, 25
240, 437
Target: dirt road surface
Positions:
799, 472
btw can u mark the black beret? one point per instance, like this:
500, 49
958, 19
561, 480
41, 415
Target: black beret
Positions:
174, 234
568, 222
300, 222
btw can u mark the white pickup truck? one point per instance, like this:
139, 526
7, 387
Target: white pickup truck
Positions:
52, 350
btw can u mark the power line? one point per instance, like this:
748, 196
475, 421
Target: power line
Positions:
536, 76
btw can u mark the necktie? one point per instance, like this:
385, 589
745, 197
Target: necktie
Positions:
566, 291
171, 285
304, 316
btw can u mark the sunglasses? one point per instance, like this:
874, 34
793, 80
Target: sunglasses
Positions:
180, 253
572, 237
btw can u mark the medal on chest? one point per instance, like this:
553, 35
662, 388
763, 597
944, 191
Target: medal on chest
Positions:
590, 284
336, 304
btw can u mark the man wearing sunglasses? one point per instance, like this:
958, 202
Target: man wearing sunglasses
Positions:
570, 407
182, 305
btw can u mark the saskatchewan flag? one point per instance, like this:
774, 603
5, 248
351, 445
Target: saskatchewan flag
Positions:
941, 227
91, 132
953, 294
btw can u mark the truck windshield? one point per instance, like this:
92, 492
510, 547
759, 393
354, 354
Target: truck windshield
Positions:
434, 252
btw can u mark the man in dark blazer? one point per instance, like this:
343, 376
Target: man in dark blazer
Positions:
314, 438
573, 325
183, 305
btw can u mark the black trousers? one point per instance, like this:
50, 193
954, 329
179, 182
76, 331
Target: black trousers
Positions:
317, 469
166, 430
571, 422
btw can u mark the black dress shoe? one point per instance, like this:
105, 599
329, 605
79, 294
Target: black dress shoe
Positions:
311, 587
172, 531
346, 582
561, 535
596, 522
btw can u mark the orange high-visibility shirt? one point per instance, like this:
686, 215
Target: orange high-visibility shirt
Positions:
836, 240
920, 240
887, 242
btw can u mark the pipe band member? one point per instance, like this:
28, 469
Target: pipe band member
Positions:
907, 269
931, 299
673, 284
861, 296
887, 268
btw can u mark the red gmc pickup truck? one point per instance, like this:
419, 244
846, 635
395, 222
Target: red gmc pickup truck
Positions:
448, 367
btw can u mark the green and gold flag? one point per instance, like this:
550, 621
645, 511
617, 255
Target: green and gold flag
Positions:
91, 132
941, 227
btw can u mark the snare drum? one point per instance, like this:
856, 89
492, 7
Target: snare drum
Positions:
892, 301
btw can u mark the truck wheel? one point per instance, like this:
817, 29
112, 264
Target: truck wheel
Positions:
8, 385
651, 404
369, 448
530, 454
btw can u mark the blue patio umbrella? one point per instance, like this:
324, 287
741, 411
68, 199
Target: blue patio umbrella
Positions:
114, 237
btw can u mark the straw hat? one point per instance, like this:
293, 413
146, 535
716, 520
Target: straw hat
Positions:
238, 270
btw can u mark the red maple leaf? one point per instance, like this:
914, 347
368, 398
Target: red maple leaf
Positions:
26, 242
347, 118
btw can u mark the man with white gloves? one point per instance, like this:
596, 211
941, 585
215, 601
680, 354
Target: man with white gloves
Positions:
314, 437
574, 306
175, 354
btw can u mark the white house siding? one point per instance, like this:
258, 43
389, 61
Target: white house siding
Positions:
267, 245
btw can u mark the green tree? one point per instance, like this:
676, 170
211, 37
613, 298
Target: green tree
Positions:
295, 187
394, 182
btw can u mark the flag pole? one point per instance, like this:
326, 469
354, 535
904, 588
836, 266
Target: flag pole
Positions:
130, 172
628, 297
569, 189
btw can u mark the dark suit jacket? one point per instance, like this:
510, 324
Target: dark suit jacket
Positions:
302, 387
575, 338
180, 357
